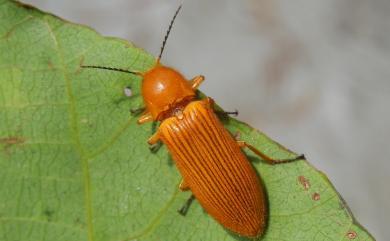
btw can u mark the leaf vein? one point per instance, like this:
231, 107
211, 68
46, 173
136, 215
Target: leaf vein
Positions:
76, 136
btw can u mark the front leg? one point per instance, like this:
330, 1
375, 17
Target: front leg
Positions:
196, 81
154, 142
145, 117
154, 138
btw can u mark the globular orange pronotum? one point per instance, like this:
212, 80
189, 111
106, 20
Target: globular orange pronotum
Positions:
208, 157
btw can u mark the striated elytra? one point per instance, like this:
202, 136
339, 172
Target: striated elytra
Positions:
207, 156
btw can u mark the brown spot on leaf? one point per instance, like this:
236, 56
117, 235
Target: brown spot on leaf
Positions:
50, 64
304, 182
316, 196
351, 234
81, 63
8, 34
10, 141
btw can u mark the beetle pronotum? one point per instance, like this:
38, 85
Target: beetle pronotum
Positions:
208, 157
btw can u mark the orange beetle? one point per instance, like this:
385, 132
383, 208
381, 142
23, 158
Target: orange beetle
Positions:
209, 159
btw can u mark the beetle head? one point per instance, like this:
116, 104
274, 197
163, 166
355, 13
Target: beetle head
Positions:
164, 89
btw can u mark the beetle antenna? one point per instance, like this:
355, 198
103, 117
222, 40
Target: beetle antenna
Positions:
111, 68
169, 30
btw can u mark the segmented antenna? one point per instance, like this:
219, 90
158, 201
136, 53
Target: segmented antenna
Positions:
159, 56
110, 68
169, 30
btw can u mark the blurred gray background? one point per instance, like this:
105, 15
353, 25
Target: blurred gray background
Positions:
313, 75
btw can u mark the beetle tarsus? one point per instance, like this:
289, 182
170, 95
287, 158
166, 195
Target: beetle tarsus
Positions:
233, 113
300, 157
155, 147
283, 161
184, 209
226, 113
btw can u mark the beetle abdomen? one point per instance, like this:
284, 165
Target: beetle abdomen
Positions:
215, 169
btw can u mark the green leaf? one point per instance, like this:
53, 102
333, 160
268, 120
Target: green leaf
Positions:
74, 165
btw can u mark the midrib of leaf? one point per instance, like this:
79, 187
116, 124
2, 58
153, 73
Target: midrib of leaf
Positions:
76, 136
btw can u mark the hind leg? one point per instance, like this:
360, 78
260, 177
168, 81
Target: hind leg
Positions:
267, 158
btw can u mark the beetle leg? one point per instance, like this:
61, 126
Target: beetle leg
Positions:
155, 147
184, 209
183, 186
154, 138
237, 136
211, 102
266, 158
196, 81
146, 117
136, 111
225, 113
